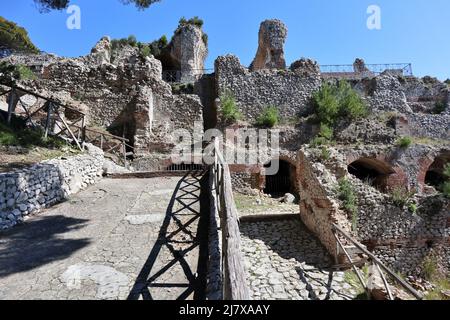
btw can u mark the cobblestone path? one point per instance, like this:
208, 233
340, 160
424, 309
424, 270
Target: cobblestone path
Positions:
285, 261
120, 239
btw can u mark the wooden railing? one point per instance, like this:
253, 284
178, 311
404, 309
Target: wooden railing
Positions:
49, 114
234, 279
378, 264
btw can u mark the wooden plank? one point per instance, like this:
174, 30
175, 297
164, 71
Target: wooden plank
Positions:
47, 121
10, 105
70, 131
355, 269
402, 282
45, 98
386, 284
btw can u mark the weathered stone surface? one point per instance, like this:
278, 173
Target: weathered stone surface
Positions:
101, 53
306, 67
286, 262
87, 249
187, 52
286, 90
45, 184
270, 55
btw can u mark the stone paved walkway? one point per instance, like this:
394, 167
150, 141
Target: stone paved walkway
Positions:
119, 239
285, 261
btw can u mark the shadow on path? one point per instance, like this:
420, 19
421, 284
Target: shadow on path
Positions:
184, 233
36, 243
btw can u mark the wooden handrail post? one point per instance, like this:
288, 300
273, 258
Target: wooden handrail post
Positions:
11, 105
47, 121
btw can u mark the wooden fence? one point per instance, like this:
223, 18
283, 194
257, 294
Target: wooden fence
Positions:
234, 279
50, 115
378, 264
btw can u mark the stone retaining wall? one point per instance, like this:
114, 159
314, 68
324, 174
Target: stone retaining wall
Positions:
27, 191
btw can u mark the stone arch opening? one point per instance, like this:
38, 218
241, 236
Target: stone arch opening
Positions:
372, 171
434, 176
284, 181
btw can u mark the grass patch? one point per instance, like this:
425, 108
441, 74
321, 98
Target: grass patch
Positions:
439, 107
334, 103
230, 112
28, 138
401, 196
351, 278
340, 101
269, 118
432, 273
404, 142
347, 195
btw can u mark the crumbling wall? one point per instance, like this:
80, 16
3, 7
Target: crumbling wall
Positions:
124, 92
318, 210
290, 92
399, 237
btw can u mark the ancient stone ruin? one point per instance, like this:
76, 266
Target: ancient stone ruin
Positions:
394, 157
270, 55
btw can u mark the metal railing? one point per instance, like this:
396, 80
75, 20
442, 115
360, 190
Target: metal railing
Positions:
377, 262
348, 70
234, 279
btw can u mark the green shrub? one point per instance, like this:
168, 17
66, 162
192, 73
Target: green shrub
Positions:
334, 102
25, 73
28, 137
326, 104
145, 51
230, 112
447, 81
439, 107
401, 196
404, 142
347, 195
326, 132
195, 21
132, 41
318, 141
412, 207
269, 117
205, 39
325, 153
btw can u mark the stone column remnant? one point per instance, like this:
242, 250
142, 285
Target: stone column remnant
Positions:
270, 55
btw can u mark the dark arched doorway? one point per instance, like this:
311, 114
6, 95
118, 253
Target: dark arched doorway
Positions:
282, 182
371, 171
435, 176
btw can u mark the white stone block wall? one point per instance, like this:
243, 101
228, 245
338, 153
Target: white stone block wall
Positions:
27, 191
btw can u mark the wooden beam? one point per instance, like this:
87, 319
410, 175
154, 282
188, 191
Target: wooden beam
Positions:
11, 105
47, 122
405, 285
71, 133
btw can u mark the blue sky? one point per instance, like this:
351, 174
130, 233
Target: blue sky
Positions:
329, 31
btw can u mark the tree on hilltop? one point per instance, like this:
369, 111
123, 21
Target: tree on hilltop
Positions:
47, 5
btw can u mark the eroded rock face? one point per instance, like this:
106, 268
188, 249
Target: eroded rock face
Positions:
306, 67
187, 52
270, 55
101, 53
